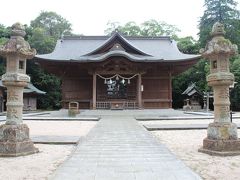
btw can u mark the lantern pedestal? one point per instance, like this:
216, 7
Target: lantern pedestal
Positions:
14, 141
222, 140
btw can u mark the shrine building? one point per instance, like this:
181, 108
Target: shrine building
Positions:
116, 72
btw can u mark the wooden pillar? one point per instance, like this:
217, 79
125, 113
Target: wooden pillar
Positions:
94, 95
139, 91
170, 89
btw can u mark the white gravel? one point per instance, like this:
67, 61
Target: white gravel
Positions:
60, 128
185, 144
37, 166
41, 165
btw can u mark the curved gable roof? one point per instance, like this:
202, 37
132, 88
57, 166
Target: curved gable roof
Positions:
98, 48
117, 38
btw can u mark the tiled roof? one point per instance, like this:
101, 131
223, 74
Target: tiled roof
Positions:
94, 48
192, 89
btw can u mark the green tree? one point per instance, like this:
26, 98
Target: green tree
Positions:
54, 25
226, 12
48, 83
43, 34
235, 92
223, 11
188, 45
4, 36
130, 29
158, 28
42, 42
196, 74
147, 28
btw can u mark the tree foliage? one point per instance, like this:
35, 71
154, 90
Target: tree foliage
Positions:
42, 42
53, 24
223, 11
235, 92
45, 82
147, 28
4, 34
42, 35
197, 74
188, 45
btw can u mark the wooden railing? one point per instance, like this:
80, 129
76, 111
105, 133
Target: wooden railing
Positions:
103, 105
117, 105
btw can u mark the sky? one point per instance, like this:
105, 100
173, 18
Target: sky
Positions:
90, 17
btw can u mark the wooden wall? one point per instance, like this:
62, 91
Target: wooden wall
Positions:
156, 89
77, 89
77, 86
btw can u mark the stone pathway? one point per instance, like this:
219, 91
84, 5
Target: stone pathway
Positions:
118, 148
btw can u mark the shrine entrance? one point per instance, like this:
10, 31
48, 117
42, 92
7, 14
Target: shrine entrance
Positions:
116, 91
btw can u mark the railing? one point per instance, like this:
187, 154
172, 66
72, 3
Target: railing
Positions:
130, 105
116, 105
103, 105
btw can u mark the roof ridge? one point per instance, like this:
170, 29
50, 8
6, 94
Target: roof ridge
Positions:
83, 37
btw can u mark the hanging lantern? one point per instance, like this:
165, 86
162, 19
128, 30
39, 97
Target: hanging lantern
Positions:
128, 81
123, 81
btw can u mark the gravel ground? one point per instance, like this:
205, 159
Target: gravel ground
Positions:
41, 165
185, 144
37, 166
60, 128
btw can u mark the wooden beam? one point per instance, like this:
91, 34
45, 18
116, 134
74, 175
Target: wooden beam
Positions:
157, 100
118, 72
170, 89
139, 91
94, 95
154, 77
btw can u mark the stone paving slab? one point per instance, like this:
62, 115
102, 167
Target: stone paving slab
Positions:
155, 127
55, 139
149, 118
61, 118
118, 148
156, 118
44, 118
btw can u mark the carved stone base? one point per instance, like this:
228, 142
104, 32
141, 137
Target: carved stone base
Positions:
222, 131
221, 147
14, 141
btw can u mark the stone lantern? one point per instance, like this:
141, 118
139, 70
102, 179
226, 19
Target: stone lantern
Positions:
222, 138
14, 135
